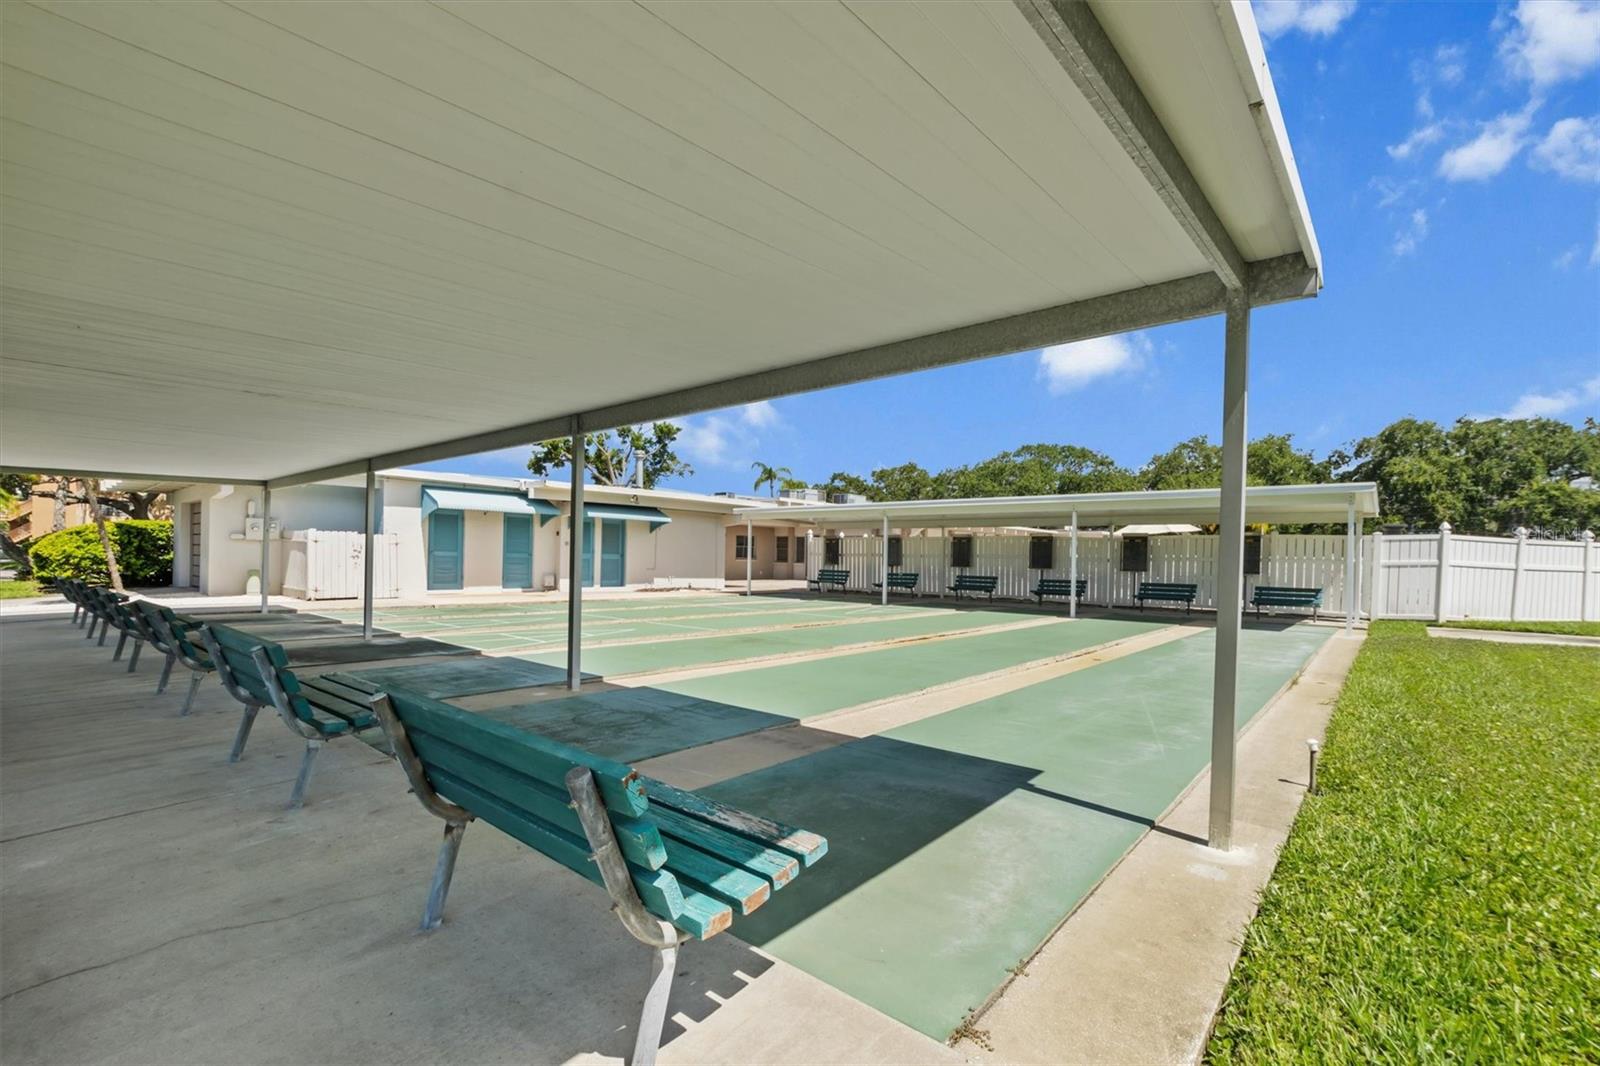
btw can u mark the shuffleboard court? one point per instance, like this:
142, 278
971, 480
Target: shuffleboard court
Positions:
468, 676
502, 637
356, 650
631, 725
960, 841
803, 690
621, 660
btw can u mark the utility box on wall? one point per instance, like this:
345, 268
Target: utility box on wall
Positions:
252, 528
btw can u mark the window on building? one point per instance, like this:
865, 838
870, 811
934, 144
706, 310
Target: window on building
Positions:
1136, 554
741, 547
1252, 553
800, 549
1041, 553
960, 551
781, 553
894, 551
830, 552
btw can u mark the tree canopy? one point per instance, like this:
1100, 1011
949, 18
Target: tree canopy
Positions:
614, 457
1483, 476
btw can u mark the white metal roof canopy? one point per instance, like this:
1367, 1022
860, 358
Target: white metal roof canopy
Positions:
1263, 503
314, 236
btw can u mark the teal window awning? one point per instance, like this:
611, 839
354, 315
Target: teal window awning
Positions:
436, 498
628, 513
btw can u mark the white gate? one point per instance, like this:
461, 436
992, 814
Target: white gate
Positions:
326, 564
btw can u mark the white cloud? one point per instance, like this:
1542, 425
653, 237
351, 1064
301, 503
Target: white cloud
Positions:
1551, 404
1450, 63
1491, 151
1553, 40
1565, 260
1571, 149
1065, 367
760, 414
1391, 192
1318, 18
1420, 137
729, 439
1416, 229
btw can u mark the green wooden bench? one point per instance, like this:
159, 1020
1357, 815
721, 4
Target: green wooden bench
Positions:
1166, 591
256, 672
101, 605
176, 637
1059, 586
901, 579
74, 592
965, 583
1286, 596
677, 866
829, 577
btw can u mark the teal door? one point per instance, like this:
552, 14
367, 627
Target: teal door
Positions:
516, 556
613, 551
588, 553
444, 550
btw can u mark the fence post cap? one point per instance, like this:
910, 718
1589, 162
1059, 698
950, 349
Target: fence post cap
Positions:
1444, 527
1521, 532
1588, 534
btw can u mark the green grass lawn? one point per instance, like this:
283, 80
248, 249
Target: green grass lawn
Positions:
1439, 900
1572, 629
19, 590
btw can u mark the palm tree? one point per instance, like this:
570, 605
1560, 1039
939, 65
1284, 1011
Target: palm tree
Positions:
770, 476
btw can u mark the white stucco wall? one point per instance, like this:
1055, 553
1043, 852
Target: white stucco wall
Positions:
686, 547
402, 515
484, 534
765, 565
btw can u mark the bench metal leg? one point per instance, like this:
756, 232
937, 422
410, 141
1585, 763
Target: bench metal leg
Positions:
122, 643
297, 798
94, 620
133, 657
104, 628
77, 609
188, 703
244, 729
166, 673
663, 964
443, 871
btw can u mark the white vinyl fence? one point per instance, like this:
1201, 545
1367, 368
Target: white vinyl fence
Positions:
1516, 578
326, 564
1483, 577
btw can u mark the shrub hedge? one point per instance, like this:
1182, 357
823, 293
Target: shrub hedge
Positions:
143, 547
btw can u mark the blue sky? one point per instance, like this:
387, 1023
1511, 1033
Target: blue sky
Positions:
1451, 157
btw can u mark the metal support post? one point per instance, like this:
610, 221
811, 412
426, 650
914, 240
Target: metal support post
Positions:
575, 566
266, 542
885, 571
1072, 570
749, 554
369, 525
1230, 572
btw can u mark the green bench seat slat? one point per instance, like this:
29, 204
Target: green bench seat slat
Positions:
538, 757
335, 702
639, 840
806, 846
773, 867
721, 880
658, 890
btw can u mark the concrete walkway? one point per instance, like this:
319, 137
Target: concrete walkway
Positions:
160, 905
1514, 636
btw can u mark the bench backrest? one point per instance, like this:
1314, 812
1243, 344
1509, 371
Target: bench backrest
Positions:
833, 577
1166, 586
983, 582
175, 630
1287, 590
1060, 584
237, 663
516, 781
907, 578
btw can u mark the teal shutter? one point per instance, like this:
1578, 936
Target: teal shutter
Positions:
516, 556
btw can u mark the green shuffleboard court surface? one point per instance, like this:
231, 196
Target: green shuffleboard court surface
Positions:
515, 634
958, 843
801, 690
640, 723
634, 724
468, 676
701, 651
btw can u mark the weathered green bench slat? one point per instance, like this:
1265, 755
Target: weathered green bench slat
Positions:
538, 757
901, 579
774, 866
717, 878
639, 839
658, 889
806, 846
334, 701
